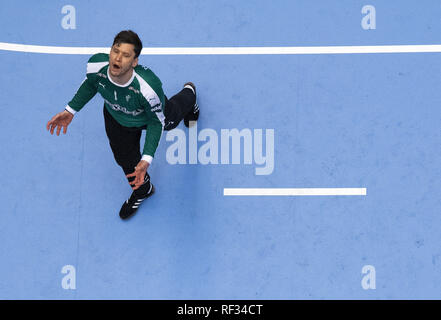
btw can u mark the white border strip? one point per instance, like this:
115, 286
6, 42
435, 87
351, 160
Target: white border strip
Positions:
229, 50
294, 191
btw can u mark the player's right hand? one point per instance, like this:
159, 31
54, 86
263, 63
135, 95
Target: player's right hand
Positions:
60, 121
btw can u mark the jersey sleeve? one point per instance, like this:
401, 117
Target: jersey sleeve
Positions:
84, 94
155, 125
88, 87
153, 100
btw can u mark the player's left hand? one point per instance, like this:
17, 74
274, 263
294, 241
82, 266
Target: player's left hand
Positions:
139, 174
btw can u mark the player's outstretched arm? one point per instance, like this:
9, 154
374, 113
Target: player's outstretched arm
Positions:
60, 121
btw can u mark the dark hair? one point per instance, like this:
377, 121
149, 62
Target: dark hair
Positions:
128, 36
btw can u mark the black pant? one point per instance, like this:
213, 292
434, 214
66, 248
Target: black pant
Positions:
178, 107
125, 141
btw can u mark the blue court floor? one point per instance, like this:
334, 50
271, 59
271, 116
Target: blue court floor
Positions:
338, 121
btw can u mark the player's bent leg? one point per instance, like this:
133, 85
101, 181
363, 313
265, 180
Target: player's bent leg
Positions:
125, 146
182, 105
171, 113
193, 115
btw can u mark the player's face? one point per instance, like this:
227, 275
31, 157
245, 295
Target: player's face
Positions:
122, 59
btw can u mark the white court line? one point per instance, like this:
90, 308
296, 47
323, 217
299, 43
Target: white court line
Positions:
294, 191
229, 50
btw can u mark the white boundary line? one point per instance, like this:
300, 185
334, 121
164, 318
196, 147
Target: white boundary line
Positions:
295, 191
229, 50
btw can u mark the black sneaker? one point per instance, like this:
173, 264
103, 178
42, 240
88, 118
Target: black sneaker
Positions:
129, 207
193, 115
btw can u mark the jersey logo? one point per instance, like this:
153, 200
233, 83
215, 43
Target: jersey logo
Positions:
117, 107
156, 108
128, 97
102, 85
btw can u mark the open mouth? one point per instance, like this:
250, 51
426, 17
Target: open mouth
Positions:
116, 67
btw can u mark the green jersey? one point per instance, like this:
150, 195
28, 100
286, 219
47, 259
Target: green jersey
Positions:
137, 103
